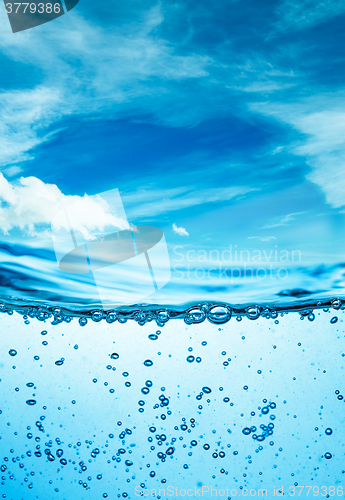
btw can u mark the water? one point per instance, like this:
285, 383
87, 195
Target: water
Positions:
172, 268
112, 410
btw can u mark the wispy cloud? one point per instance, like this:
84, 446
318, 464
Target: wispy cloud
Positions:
24, 118
282, 221
264, 238
304, 13
153, 202
320, 123
86, 69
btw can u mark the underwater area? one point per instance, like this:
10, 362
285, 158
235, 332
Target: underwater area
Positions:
172, 249
250, 407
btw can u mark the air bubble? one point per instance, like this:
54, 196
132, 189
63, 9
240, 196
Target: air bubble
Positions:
97, 316
219, 315
336, 303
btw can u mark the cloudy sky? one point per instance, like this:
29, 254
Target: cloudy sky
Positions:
220, 122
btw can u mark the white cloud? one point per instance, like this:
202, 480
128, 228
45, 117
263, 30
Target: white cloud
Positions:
86, 69
30, 205
24, 116
264, 87
282, 222
277, 150
267, 238
12, 171
152, 202
300, 14
181, 231
323, 143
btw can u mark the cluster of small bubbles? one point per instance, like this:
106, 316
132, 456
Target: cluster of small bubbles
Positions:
215, 313
267, 430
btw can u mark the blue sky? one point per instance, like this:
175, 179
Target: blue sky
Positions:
226, 119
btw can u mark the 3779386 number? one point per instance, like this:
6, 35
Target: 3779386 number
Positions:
323, 491
40, 8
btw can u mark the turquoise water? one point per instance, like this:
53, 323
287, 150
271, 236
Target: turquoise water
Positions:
250, 407
172, 268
